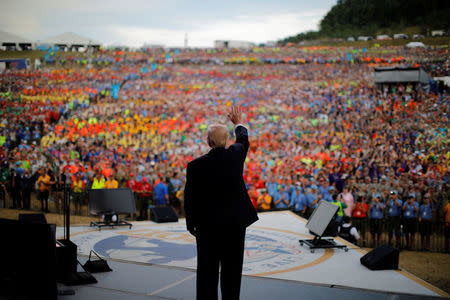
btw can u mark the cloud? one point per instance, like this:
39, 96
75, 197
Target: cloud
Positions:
135, 22
258, 29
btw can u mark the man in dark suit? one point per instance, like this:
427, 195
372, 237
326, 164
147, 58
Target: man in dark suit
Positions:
218, 210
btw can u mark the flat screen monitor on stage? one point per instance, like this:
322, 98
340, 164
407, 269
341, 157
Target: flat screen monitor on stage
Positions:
111, 201
321, 217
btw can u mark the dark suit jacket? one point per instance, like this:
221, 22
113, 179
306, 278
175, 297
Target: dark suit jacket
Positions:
215, 192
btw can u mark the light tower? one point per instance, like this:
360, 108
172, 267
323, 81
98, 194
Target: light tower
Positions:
185, 40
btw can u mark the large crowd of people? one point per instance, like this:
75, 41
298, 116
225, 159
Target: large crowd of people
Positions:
320, 129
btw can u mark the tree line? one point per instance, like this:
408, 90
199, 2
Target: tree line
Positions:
372, 17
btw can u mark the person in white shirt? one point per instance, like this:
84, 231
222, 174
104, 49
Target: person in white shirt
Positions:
347, 231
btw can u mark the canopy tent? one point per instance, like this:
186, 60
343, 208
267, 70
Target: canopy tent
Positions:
391, 75
444, 79
70, 40
11, 40
415, 45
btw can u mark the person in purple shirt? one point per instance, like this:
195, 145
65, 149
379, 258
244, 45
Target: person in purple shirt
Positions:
410, 212
425, 216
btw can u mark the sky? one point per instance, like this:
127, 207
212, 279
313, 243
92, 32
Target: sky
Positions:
165, 22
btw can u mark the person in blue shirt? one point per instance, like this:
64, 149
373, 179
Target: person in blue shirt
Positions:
425, 216
161, 194
281, 199
272, 187
292, 190
312, 199
322, 189
176, 182
328, 193
293, 195
410, 212
394, 207
376, 208
298, 202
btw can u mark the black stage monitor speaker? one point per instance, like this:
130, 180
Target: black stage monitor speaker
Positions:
384, 257
111, 201
163, 214
321, 217
27, 260
33, 218
66, 259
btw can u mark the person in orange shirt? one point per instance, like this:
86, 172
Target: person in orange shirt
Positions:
264, 201
111, 182
44, 183
447, 226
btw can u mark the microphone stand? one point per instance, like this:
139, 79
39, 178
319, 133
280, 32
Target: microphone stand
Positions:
66, 201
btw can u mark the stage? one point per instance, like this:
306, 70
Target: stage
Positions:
157, 261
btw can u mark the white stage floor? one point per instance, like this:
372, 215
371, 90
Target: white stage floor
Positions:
272, 250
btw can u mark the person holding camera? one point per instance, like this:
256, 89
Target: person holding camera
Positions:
359, 216
376, 208
425, 216
394, 214
410, 211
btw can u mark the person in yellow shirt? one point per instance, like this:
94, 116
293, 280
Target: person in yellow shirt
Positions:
77, 192
98, 182
447, 226
111, 182
264, 201
44, 183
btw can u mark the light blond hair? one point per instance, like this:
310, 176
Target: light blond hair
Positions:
217, 135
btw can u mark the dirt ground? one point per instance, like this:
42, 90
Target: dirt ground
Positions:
430, 266
57, 219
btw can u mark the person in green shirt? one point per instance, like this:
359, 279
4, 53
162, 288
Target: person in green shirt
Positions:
98, 181
338, 201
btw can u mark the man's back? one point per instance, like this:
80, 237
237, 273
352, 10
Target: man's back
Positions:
218, 210
215, 192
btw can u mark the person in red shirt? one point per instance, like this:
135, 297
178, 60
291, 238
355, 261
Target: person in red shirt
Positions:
139, 190
254, 195
359, 216
258, 183
144, 192
131, 182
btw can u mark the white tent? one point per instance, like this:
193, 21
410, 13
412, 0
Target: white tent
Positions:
393, 75
415, 45
9, 39
70, 39
445, 80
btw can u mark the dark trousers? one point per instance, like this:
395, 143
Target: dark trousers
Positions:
26, 195
15, 198
3, 197
142, 206
43, 196
220, 248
